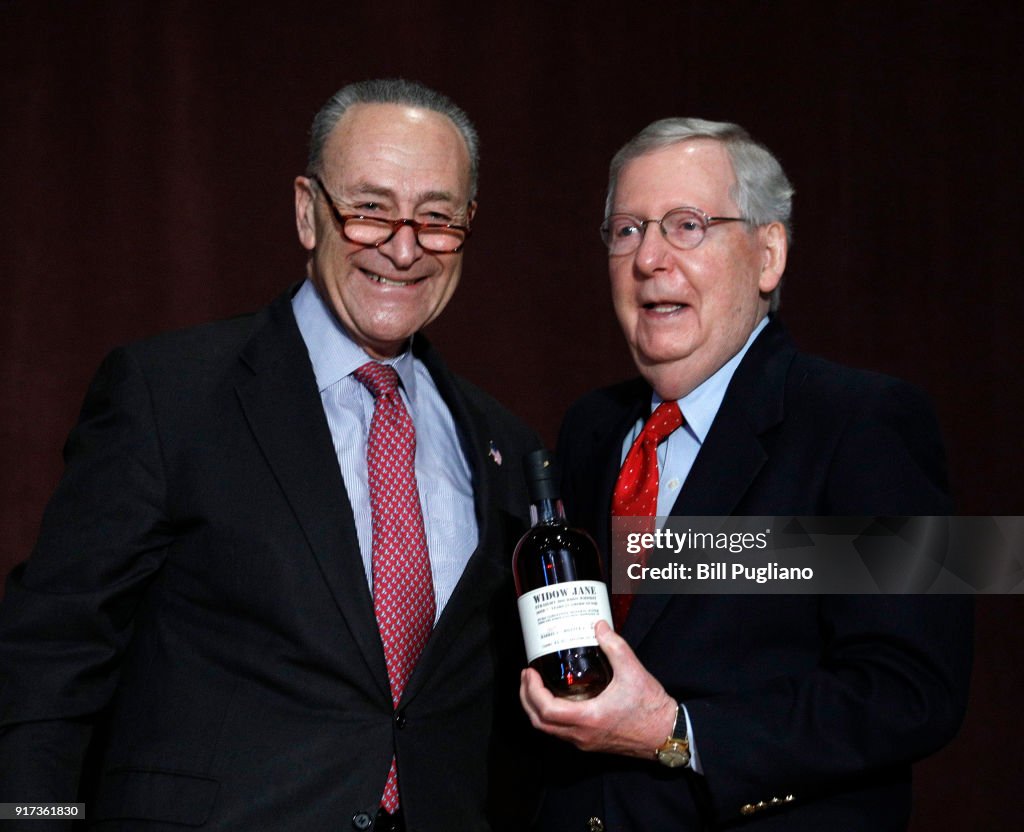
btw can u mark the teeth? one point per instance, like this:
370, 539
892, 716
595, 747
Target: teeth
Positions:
388, 282
664, 307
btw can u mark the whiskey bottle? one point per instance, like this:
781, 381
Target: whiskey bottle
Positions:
562, 593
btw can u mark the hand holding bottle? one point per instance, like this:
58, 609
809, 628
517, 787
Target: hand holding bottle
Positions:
632, 716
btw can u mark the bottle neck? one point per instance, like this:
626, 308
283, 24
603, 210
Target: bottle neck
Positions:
547, 512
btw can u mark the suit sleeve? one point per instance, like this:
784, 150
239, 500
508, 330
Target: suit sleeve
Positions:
67, 613
891, 683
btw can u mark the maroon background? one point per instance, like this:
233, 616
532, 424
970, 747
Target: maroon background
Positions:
147, 152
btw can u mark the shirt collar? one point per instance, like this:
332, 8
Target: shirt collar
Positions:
332, 351
700, 405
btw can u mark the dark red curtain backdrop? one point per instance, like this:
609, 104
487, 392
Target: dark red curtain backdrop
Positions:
147, 152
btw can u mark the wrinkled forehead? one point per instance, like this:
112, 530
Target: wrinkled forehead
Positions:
399, 148
696, 172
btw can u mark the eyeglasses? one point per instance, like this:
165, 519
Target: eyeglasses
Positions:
435, 237
683, 227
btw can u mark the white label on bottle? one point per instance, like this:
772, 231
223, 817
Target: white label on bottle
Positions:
562, 616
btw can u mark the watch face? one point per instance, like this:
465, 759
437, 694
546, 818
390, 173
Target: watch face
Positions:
674, 757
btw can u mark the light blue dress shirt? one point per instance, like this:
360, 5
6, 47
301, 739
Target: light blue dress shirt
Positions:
443, 475
677, 454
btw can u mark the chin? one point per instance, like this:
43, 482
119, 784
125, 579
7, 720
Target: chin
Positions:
668, 355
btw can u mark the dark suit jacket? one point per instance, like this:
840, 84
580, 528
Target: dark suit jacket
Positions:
198, 577
822, 699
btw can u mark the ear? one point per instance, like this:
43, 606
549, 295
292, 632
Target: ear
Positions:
774, 248
305, 223
471, 212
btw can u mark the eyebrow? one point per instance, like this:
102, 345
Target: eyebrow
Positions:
369, 189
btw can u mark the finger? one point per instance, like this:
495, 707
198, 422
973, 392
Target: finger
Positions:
526, 697
538, 702
553, 714
535, 698
531, 689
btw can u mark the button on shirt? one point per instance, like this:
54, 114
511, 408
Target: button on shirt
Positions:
442, 472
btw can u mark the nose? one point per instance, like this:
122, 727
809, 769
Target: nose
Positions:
403, 249
651, 255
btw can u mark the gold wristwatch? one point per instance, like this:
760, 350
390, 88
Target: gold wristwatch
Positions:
675, 751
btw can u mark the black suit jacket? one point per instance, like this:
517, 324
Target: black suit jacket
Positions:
198, 579
818, 703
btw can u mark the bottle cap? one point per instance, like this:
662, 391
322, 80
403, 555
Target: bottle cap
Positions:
542, 475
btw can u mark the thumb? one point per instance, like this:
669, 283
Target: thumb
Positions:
615, 647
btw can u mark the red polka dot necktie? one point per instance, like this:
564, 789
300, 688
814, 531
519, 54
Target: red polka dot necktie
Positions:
403, 589
636, 490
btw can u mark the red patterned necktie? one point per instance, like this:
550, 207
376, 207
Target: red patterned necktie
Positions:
636, 490
403, 589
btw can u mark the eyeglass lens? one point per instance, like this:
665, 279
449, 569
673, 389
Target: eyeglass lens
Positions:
683, 227
369, 231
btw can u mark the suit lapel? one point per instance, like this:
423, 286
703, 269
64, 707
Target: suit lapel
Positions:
285, 414
490, 564
608, 452
732, 453
609, 435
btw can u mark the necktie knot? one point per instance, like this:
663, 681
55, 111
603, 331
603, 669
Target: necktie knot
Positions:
379, 379
666, 418
636, 491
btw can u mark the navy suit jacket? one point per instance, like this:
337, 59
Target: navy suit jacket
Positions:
807, 710
198, 585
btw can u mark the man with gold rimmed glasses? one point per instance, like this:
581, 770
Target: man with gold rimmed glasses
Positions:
795, 712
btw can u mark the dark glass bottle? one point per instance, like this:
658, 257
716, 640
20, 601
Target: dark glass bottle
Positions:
562, 592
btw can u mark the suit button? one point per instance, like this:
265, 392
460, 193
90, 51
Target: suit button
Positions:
362, 821
595, 824
400, 719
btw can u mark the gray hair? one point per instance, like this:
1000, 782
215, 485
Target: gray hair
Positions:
763, 193
391, 91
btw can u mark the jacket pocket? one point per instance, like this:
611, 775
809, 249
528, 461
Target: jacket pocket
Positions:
168, 796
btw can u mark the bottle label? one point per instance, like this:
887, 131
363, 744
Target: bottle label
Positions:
562, 616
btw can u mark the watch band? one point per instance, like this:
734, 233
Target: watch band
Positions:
675, 751
679, 729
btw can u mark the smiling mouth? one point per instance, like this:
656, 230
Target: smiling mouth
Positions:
386, 281
664, 307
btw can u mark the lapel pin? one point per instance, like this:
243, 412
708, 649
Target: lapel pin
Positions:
494, 453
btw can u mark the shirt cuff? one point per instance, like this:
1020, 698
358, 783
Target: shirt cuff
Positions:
694, 756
